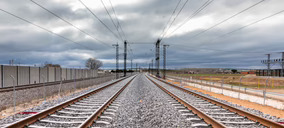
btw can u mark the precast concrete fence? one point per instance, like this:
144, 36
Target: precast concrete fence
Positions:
25, 75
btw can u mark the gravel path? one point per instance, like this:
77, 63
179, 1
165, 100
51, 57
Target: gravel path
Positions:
48, 104
146, 106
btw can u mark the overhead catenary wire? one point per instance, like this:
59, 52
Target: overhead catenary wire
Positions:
119, 25
244, 10
116, 26
170, 18
238, 29
45, 29
202, 7
69, 23
97, 18
174, 19
245, 26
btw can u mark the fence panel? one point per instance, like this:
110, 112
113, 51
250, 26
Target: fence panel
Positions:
51, 74
57, 74
34, 75
7, 71
1, 84
64, 73
23, 75
43, 74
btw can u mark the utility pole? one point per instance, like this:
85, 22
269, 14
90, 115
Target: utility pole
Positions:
125, 58
268, 64
117, 59
158, 58
152, 66
136, 67
282, 64
164, 54
149, 67
131, 67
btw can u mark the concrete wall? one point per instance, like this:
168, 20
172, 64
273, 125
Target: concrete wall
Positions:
23, 75
64, 73
34, 75
7, 71
1, 84
69, 77
51, 74
43, 75
57, 74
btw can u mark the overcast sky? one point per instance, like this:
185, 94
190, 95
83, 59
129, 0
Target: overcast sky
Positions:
143, 21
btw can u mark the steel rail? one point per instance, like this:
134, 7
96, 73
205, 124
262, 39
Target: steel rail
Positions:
250, 116
29, 120
207, 119
98, 112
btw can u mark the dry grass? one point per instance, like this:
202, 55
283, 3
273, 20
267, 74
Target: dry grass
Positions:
234, 79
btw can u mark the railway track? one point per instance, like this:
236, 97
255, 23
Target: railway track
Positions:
217, 114
92, 109
22, 87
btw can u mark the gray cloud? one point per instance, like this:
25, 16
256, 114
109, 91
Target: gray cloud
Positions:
142, 22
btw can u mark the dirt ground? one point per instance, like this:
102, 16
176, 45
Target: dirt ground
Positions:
21, 107
247, 104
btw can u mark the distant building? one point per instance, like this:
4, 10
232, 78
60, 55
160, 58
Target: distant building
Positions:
52, 65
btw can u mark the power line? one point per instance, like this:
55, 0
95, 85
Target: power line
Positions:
218, 50
98, 18
68, 22
202, 7
170, 18
238, 29
112, 20
251, 23
227, 19
117, 19
174, 19
44, 29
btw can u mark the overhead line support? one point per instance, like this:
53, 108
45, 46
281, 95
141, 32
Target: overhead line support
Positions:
117, 60
158, 57
125, 58
164, 55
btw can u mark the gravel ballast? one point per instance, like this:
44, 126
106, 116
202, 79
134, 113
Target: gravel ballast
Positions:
45, 105
145, 105
189, 98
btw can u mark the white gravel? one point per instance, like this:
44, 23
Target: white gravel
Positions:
146, 106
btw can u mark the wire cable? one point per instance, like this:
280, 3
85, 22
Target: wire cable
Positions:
174, 19
246, 9
116, 27
117, 20
202, 7
170, 18
69, 23
97, 18
226, 34
44, 29
238, 29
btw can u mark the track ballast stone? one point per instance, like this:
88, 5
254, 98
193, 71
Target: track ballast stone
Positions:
145, 105
45, 105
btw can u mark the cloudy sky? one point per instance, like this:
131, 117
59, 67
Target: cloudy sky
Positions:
201, 33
